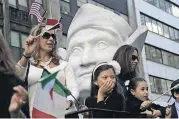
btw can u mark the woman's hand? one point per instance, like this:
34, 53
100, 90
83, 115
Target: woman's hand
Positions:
30, 45
18, 99
145, 104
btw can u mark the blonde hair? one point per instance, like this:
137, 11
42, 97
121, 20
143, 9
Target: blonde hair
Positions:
35, 31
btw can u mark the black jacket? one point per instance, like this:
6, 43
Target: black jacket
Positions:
174, 111
133, 105
112, 102
6, 90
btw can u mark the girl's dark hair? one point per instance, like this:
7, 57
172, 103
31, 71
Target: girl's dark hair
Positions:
134, 82
7, 63
94, 88
124, 56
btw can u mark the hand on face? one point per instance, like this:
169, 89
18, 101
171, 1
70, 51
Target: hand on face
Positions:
18, 99
107, 87
30, 45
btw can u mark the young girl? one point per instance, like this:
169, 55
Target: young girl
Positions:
103, 91
138, 101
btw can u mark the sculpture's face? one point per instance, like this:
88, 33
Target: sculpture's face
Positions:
87, 48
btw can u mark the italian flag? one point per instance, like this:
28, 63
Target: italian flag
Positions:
50, 98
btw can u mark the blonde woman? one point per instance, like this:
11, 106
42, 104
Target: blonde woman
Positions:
40, 51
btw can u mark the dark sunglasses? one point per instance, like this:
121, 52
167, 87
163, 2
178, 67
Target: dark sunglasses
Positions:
135, 57
47, 35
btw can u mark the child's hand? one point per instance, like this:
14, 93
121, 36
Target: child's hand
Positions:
145, 104
85, 114
156, 113
148, 113
107, 87
168, 112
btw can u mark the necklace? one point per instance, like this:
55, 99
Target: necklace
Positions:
44, 64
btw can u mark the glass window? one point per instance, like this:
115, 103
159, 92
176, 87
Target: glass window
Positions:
175, 10
152, 84
12, 2
168, 58
176, 35
151, 1
166, 31
156, 3
172, 34
154, 26
148, 23
155, 55
23, 3
16, 53
15, 39
162, 4
169, 85
147, 51
65, 7
168, 7
23, 39
142, 18
176, 61
160, 28
158, 85
164, 85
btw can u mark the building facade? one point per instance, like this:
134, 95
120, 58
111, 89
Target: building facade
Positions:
160, 57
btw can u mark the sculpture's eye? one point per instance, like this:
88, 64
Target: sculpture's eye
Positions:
76, 51
101, 45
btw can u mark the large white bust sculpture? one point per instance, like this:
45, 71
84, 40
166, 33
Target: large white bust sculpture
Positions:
93, 37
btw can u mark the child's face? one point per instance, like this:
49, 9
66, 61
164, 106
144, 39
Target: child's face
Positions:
141, 91
104, 76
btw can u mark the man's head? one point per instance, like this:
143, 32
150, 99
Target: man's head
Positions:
175, 91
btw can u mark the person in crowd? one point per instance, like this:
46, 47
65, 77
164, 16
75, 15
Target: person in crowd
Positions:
138, 101
103, 93
40, 52
9, 81
128, 57
173, 110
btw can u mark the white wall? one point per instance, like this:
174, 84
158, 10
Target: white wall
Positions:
162, 42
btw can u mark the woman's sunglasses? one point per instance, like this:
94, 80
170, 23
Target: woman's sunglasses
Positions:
47, 35
135, 57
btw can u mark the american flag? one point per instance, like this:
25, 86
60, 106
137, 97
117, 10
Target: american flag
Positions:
37, 10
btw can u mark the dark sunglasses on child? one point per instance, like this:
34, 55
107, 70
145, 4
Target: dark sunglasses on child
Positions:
135, 57
47, 35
